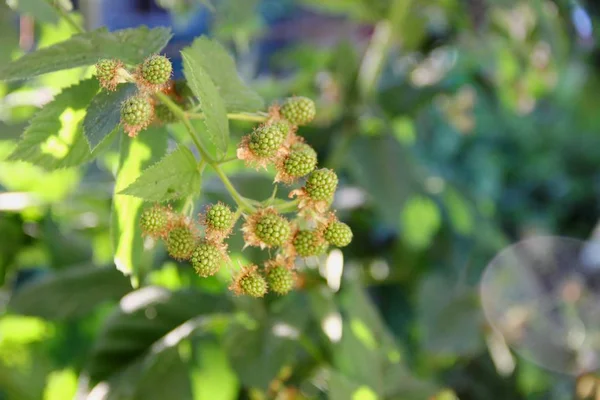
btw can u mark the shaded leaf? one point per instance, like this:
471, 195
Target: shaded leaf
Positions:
69, 293
215, 114
175, 176
129, 45
136, 155
38, 9
220, 66
54, 137
104, 113
142, 322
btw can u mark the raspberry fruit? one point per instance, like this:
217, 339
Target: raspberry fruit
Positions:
156, 70
154, 221
266, 140
321, 184
181, 242
280, 279
272, 229
298, 110
300, 161
136, 114
338, 234
250, 282
164, 114
219, 217
106, 73
206, 259
309, 243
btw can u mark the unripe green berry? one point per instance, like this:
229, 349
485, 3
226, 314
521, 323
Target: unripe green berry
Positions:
136, 111
164, 114
206, 259
280, 279
267, 139
300, 162
321, 184
106, 73
156, 70
253, 284
300, 146
338, 234
273, 229
308, 243
298, 110
154, 221
181, 243
219, 217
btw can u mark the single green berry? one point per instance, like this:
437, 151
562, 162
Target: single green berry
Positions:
106, 73
154, 221
280, 279
206, 259
164, 114
181, 242
300, 162
308, 243
136, 111
338, 234
321, 184
273, 229
298, 110
253, 284
267, 139
219, 217
156, 70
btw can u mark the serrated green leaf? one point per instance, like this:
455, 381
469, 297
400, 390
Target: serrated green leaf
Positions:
69, 293
129, 332
220, 66
41, 10
129, 45
136, 155
211, 103
104, 114
175, 176
54, 138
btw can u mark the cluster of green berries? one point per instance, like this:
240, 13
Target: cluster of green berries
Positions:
138, 111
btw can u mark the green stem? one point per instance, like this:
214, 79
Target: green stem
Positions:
179, 113
233, 116
287, 207
228, 159
67, 17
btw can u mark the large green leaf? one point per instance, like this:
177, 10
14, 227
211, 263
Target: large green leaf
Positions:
258, 353
136, 155
175, 176
104, 113
220, 66
41, 10
54, 137
150, 320
129, 45
69, 293
211, 103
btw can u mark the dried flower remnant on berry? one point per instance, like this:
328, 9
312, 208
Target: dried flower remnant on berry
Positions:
107, 73
136, 114
181, 240
309, 243
265, 144
156, 71
155, 221
266, 228
249, 282
206, 259
298, 110
218, 220
300, 161
280, 279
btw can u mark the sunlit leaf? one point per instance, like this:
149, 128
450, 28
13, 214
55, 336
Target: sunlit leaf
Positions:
420, 221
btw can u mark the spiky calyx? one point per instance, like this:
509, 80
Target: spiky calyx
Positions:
338, 234
181, 241
267, 139
266, 228
164, 114
298, 110
280, 279
107, 73
321, 184
155, 221
136, 113
206, 259
309, 243
249, 282
156, 70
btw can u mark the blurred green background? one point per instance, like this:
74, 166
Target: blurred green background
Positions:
456, 127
